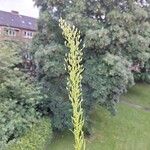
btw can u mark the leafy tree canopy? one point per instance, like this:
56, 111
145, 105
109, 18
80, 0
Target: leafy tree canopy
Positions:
116, 34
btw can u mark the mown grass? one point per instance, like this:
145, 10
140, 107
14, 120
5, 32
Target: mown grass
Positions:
128, 130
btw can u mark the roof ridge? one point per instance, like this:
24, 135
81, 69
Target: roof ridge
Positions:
18, 14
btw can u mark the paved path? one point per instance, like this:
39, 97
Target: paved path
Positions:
136, 105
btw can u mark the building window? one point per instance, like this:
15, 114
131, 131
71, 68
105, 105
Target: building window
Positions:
10, 32
28, 34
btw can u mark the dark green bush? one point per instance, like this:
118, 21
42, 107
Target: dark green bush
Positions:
144, 74
18, 97
36, 138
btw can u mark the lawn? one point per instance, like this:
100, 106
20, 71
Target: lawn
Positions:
139, 94
128, 130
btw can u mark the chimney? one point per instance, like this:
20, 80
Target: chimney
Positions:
15, 12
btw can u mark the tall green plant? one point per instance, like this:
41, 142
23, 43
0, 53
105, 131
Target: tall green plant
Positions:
74, 69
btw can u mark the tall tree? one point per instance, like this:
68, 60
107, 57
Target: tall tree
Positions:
117, 43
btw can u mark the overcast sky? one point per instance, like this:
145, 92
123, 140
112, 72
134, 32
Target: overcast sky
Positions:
25, 7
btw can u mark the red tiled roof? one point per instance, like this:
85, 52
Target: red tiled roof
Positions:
15, 20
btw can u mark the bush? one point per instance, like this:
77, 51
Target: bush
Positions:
18, 97
144, 74
36, 138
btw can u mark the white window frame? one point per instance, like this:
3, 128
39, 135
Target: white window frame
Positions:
10, 32
28, 34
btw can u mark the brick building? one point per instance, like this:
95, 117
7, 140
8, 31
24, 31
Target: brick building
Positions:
14, 26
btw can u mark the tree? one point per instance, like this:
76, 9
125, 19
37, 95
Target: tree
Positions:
116, 37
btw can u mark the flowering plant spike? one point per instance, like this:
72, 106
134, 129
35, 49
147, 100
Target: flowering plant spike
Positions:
74, 68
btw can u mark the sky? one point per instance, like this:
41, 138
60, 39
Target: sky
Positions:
24, 7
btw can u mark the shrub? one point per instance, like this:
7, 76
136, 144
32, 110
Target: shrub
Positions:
36, 138
144, 73
18, 97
